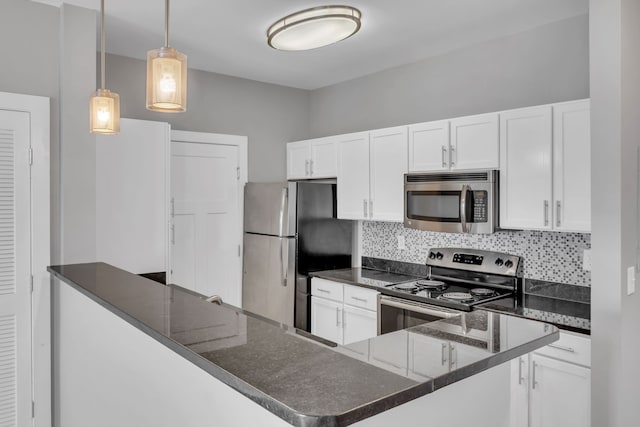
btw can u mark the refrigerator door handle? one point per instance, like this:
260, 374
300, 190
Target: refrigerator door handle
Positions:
283, 263
283, 210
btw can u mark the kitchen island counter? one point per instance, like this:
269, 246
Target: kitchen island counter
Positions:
303, 381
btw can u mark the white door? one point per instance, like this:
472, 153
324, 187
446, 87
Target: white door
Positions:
326, 319
388, 164
298, 160
205, 243
15, 269
525, 168
519, 405
474, 142
429, 146
572, 166
560, 393
324, 158
428, 358
358, 324
353, 176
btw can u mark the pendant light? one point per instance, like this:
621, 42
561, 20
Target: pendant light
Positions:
313, 28
104, 105
166, 76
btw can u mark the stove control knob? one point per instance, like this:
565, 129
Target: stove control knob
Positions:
439, 255
508, 264
499, 262
432, 255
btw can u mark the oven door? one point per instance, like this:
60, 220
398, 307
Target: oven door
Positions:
395, 314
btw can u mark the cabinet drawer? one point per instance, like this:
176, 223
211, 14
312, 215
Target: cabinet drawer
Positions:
361, 297
326, 289
574, 348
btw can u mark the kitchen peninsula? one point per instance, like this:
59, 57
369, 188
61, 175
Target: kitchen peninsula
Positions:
134, 352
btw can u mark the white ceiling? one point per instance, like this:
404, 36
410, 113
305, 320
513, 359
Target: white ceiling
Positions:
228, 36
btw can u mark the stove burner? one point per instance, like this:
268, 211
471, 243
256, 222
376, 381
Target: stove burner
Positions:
482, 292
457, 297
405, 286
432, 285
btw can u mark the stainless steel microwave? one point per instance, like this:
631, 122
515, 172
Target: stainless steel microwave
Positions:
452, 202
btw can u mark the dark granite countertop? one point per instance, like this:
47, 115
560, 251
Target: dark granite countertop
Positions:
303, 381
365, 277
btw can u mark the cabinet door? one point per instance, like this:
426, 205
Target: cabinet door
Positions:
429, 146
428, 357
560, 393
388, 163
519, 405
324, 158
475, 143
353, 176
525, 168
298, 160
572, 166
326, 319
358, 324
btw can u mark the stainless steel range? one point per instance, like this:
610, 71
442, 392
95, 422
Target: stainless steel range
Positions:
458, 279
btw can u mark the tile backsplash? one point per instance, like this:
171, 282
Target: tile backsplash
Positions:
549, 256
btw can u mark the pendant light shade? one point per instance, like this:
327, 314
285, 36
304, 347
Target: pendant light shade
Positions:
166, 76
104, 105
313, 28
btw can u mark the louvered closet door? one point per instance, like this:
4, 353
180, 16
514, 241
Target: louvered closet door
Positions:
15, 270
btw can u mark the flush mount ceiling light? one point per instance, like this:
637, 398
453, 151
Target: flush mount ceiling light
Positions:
166, 76
313, 28
104, 105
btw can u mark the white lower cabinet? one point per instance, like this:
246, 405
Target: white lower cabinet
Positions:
548, 387
343, 313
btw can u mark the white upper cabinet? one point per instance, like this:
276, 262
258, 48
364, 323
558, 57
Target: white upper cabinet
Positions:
353, 176
572, 166
371, 168
474, 142
388, 164
429, 146
525, 168
312, 159
545, 173
457, 144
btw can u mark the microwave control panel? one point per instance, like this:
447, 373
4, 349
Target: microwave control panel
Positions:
480, 213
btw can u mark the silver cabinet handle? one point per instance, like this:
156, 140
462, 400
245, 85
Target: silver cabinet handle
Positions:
445, 347
371, 208
173, 207
364, 205
563, 348
453, 357
534, 383
306, 168
520, 363
337, 316
173, 234
463, 208
558, 213
311, 167
324, 290
452, 162
359, 299
444, 154
546, 212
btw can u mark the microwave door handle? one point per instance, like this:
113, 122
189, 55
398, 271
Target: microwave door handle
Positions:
463, 208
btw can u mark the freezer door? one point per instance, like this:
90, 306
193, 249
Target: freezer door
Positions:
266, 208
268, 287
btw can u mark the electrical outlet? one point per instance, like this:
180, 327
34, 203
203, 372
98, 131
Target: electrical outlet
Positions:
586, 260
631, 280
401, 243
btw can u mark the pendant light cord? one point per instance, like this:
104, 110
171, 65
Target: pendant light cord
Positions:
102, 44
166, 23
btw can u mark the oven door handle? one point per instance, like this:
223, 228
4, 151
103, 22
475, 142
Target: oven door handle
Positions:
436, 312
463, 208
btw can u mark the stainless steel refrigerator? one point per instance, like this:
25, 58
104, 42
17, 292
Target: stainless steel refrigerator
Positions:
290, 230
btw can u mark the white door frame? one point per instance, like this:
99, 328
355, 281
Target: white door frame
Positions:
243, 160
38, 109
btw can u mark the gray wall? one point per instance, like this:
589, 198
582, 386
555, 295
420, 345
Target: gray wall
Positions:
615, 103
543, 65
30, 50
268, 114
